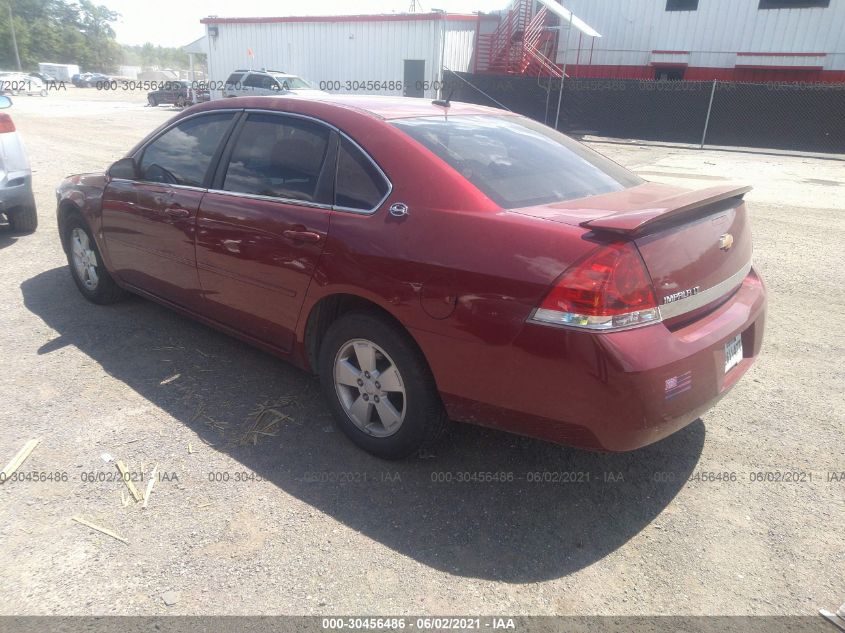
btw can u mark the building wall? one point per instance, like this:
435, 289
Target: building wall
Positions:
460, 45
713, 41
343, 55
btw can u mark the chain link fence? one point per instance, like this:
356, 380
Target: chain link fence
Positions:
784, 116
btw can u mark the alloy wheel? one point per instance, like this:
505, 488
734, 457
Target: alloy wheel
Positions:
370, 388
84, 259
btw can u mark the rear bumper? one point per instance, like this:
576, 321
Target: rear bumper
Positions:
16, 191
613, 392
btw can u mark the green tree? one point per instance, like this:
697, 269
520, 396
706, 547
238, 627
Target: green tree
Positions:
62, 32
149, 57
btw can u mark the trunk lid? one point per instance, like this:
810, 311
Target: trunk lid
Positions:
695, 244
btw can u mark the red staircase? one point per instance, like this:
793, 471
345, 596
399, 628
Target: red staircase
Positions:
521, 45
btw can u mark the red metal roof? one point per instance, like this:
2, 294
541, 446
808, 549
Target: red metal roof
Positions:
382, 17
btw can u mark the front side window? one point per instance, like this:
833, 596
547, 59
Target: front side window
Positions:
280, 157
359, 184
517, 162
182, 155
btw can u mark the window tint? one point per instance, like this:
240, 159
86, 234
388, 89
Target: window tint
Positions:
518, 162
255, 81
359, 185
234, 79
264, 82
681, 5
278, 156
181, 155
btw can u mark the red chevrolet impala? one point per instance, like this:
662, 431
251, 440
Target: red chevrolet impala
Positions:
432, 261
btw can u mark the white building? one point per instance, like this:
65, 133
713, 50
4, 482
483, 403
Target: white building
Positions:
739, 40
365, 54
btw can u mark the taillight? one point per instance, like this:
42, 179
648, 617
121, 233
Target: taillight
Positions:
610, 288
6, 124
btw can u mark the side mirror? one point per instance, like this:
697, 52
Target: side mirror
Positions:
5, 102
124, 169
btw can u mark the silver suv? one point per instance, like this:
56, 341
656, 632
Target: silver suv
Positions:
16, 200
245, 83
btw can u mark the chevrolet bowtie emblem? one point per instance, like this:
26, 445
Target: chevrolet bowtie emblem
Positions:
726, 242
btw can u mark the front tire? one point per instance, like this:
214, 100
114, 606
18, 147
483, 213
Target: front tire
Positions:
152, 101
86, 264
23, 220
379, 387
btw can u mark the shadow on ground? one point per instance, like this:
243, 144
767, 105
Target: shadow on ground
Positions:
7, 236
514, 531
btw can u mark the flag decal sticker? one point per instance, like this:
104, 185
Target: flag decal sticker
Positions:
676, 385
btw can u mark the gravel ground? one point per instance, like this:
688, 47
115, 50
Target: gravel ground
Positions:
304, 523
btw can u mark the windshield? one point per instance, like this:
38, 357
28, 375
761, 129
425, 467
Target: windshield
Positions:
292, 83
517, 162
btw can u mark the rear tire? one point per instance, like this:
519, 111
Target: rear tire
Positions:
86, 264
23, 220
391, 418
152, 101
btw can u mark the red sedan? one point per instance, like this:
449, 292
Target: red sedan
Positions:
431, 262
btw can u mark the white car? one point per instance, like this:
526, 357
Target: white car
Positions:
250, 83
16, 200
21, 83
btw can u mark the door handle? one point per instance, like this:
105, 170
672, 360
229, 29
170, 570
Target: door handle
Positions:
177, 212
301, 236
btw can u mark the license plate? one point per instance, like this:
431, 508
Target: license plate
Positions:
733, 352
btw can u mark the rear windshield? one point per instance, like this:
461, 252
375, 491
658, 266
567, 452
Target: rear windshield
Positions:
518, 162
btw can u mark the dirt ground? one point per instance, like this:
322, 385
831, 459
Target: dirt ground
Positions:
304, 523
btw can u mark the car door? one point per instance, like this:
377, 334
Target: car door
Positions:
149, 222
263, 225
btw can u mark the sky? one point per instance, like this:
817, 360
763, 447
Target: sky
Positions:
177, 22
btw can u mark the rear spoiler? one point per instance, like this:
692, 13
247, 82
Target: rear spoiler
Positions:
637, 221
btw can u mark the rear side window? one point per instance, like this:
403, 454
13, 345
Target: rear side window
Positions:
359, 185
281, 157
234, 79
182, 155
517, 162
260, 81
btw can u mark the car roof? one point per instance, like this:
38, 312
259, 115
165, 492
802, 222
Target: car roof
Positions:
384, 107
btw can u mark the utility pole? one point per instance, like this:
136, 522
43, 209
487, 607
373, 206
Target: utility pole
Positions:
14, 39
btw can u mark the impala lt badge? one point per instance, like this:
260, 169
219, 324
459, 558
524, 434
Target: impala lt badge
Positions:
726, 242
683, 294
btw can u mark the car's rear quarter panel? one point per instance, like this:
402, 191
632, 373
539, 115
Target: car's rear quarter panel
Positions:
459, 273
